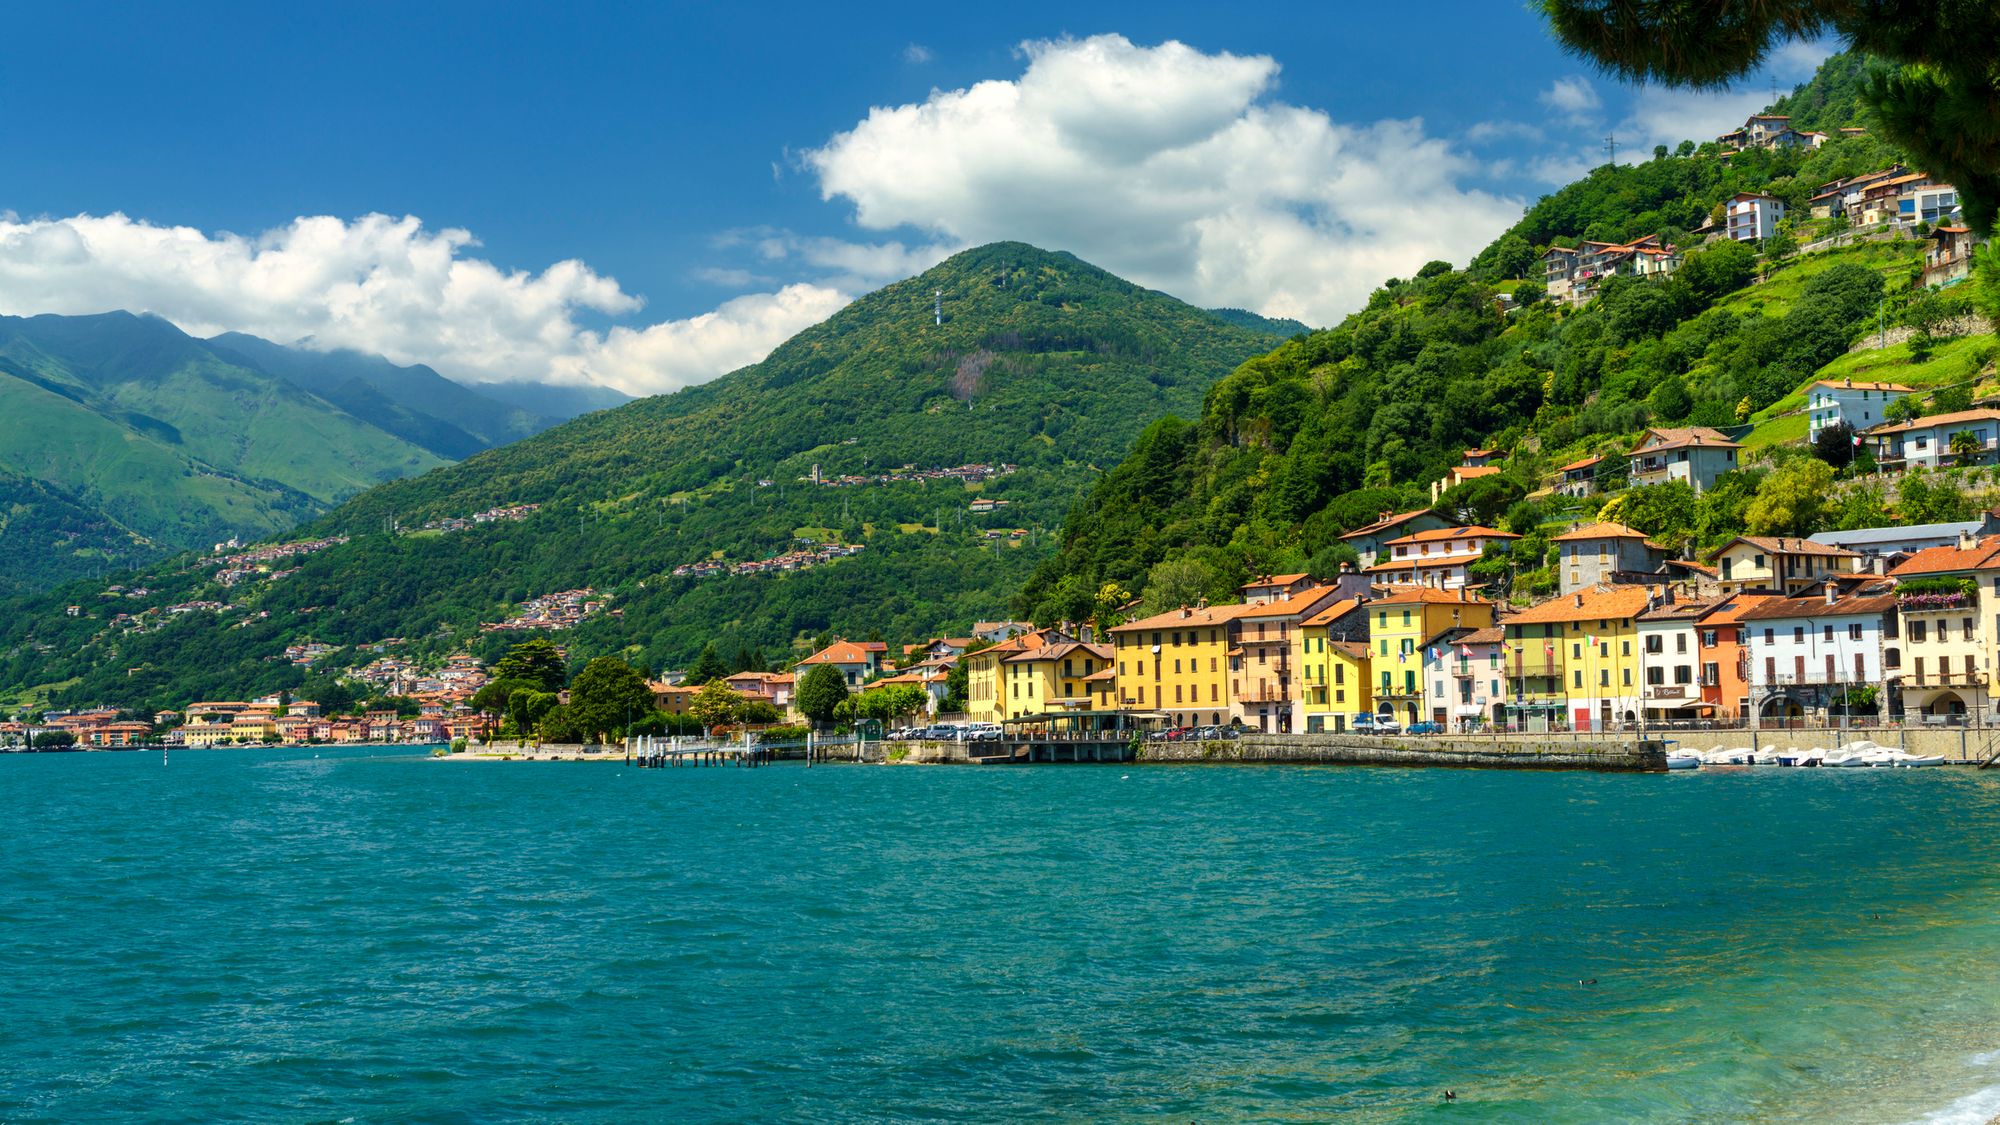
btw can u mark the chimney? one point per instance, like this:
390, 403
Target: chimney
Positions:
1579, 599
1967, 541
1832, 593
1346, 568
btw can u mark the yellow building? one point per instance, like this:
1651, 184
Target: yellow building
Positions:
200, 732
255, 726
1333, 672
1050, 678
1177, 663
1400, 625
986, 696
1778, 564
1947, 657
1575, 657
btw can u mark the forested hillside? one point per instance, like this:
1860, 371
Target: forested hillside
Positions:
1043, 370
1328, 431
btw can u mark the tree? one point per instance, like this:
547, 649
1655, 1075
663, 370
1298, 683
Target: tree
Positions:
1904, 409
1177, 582
1511, 256
527, 707
1790, 500
54, 739
1964, 445
495, 697
1108, 608
1986, 281
1780, 246
606, 695
1936, 105
716, 705
1835, 445
707, 667
821, 692
537, 662
1922, 498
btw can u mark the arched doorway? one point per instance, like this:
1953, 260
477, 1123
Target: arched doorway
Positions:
1945, 703
1781, 709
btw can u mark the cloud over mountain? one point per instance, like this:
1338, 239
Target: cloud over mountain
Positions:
390, 286
1172, 167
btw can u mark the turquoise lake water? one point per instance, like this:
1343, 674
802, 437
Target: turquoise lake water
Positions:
270, 936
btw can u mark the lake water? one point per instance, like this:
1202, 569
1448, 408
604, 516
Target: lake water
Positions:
274, 936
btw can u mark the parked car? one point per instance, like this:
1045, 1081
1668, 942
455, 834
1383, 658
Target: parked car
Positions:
1425, 727
983, 732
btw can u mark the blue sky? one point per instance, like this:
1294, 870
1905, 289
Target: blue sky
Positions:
1276, 156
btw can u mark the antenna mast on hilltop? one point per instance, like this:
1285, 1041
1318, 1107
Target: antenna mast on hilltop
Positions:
1611, 150
937, 310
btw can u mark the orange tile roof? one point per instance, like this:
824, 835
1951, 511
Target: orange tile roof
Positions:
1331, 613
1289, 607
1729, 611
1391, 521
1427, 595
1683, 437
845, 652
1851, 385
1185, 618
1603, 529
1981, 414
1602, 603
1950, 558
1470, 532
1777, 545
1275, 580
1586, 463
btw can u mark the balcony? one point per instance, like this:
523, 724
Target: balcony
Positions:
1821, 678
1945, 680
1265, 695
1533, 661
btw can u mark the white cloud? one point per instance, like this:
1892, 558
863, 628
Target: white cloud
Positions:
1495, 132
1573, 98
1663, 115
388, 286
916, 54
1170, 167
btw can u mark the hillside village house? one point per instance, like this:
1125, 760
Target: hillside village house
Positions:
1176, 663
1604, 553
1051, 678
857, 661
1752, 216
1725, 660
1437, 558
1332, 657
1949, 258
1670, 658
1813, 654
1931, 204
1860, 405
1778, 564
1575, 658
1402, 624
1459, 474
1926, 443
986, 683
1578, 478
1695, 454
1946, 596
1260, 656
1881, 201
1467, 671
1768, 130
1368, 541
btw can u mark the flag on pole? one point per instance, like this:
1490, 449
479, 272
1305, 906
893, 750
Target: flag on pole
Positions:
1465, 650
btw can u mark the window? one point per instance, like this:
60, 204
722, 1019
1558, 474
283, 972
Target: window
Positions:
1854, 631
1213, 693
1680, 642
1604, 677
1768, 637
1656, 675
1919, 631
1826, 632
1576, 679
1966, 625
1625, 676
1211, 663
1798, 634
1683, 674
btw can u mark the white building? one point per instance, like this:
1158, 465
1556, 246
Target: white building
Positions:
1436, 558
1695, 454
1926, 443
1752, 216
1670, 660
1930, 203
1808, 654
1860, 405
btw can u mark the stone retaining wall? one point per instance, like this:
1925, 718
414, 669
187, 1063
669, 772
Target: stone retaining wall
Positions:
1548, 752
1954, 744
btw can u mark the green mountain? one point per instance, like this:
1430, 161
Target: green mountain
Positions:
1324, 433
1042, 369
162, 435
415, 403
548, 400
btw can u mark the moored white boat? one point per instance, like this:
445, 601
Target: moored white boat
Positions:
1683, 759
